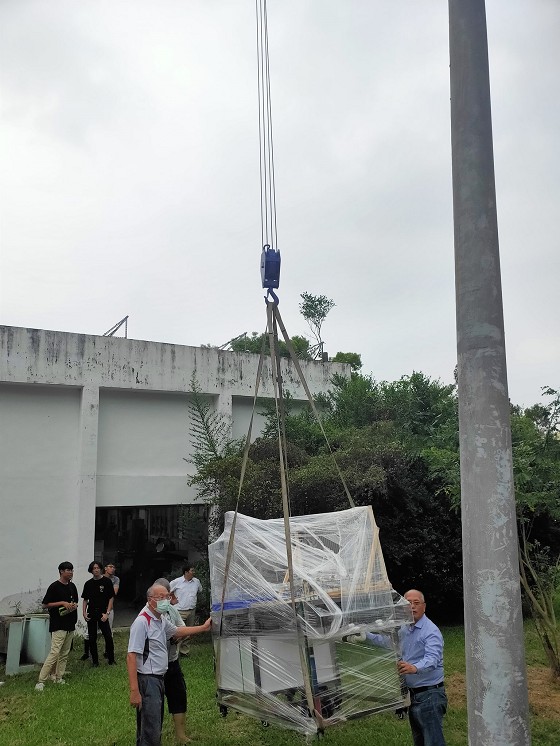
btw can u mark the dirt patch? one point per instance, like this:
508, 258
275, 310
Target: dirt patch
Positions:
544, 693
16, 705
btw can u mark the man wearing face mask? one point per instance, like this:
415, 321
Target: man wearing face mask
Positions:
147, 662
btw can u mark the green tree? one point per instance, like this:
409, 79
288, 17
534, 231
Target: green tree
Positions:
254, 343
536, 462
398, 448
412, 508
350, 358
212, 443
540, 580
314, 309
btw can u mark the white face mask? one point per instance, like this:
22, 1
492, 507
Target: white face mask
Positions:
163, 604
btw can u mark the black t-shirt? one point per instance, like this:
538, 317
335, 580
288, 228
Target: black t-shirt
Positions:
97, 594
58, 591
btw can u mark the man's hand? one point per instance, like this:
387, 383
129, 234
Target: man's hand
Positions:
135, 699
86, 617
106, 615
183, 632
406, 668
68, 605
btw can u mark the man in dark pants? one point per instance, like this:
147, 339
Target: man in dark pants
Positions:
422, 667
174, 681
98, 602
147, 662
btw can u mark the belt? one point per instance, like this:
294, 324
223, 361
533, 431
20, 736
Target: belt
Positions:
419, 689
153, 675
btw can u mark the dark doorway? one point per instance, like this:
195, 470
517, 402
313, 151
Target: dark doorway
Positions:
149, 542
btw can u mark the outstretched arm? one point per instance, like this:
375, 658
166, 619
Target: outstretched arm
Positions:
189, 631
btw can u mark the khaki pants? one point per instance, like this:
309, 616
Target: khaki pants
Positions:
187, 615
58, 655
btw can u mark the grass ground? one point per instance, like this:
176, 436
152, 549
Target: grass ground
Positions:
93, 710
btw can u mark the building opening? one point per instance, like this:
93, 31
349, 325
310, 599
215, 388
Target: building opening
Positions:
149, 542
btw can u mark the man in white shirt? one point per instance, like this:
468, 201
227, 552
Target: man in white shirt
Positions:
147, 662
185, 589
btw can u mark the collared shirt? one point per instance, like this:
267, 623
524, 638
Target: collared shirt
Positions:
422, 645
176, 619
157, 632
186, 591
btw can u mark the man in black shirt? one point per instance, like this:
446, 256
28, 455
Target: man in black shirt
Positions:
98, 602
61, 600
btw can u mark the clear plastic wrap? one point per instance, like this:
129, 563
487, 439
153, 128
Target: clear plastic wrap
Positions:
302, 662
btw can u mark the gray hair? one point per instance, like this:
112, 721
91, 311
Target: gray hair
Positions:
413, 590
151, 589
164, 582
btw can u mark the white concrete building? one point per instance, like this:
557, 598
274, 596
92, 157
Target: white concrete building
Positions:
94, 432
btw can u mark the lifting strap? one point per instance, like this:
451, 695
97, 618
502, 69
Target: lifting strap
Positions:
314, 409
278, 399
274, 320
234, 521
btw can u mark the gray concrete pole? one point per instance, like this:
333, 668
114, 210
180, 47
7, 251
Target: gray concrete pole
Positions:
496, 675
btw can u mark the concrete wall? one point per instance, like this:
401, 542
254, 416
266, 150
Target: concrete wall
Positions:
88, 422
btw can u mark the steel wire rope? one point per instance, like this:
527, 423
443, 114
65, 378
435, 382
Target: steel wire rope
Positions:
269, 229
273, 226
261, 127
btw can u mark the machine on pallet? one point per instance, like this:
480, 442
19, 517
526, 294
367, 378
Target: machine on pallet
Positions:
291, 650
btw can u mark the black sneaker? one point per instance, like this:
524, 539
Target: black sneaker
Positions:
95, 665
105, 654
113, 663
84, 657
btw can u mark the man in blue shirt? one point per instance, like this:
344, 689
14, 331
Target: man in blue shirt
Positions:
422, 668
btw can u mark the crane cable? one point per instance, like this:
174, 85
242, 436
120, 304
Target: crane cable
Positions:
269, 231
269, 238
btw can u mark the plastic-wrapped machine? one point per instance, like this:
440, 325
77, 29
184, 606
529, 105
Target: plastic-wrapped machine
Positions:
290, 648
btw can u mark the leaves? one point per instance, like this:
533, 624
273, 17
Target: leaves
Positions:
254, 344
397, 446
314, 309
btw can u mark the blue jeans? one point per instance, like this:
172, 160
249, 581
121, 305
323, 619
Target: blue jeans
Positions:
149, 717
426, 717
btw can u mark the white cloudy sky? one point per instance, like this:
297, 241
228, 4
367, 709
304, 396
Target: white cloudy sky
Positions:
129, 179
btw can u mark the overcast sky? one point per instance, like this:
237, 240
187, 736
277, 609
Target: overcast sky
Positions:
130, 173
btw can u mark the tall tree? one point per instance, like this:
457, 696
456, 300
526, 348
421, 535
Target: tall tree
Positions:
536, 461
314, 309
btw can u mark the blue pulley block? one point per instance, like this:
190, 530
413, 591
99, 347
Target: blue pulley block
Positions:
270, 267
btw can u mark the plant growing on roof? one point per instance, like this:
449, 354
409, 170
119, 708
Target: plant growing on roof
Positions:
314, 309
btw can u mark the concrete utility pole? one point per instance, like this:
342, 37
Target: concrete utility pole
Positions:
496, 676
